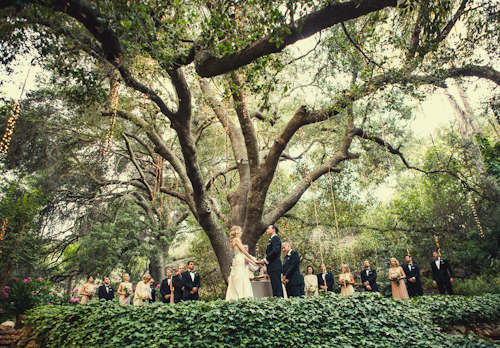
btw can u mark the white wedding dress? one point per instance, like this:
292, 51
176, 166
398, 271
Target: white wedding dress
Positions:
239, 284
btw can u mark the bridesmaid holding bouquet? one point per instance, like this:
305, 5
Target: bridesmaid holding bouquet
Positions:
125, 290
88, 290
397, 276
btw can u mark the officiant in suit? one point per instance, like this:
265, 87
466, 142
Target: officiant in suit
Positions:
273, 260
413, 285
325, 279
106, 291
369, 277
191, 282
442, 274
291, 271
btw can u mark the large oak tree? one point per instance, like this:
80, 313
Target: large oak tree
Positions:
191, 43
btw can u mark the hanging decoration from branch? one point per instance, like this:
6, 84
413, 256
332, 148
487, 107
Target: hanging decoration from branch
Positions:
5, 142
476, 217
115, 88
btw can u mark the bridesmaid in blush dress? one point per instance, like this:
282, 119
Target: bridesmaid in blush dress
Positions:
396, 276
346, 281
125, 290
88, 290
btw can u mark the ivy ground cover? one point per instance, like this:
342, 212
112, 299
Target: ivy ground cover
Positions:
360, 320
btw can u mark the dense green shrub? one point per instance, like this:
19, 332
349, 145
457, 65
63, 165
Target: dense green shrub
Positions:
444, 309
484, 284
360, 320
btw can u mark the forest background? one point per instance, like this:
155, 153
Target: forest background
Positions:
155, 121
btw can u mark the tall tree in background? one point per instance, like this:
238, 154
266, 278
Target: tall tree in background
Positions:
241, 46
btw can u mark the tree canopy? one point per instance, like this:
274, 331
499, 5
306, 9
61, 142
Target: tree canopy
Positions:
179, 81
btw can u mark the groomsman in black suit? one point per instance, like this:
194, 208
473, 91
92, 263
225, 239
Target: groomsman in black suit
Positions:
177, 284
191, 282
106, 291
442, 274
291, 271
325, 279
412, 272
369, 277
166, 293
273, 260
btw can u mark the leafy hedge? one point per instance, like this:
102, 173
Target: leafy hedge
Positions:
360, 320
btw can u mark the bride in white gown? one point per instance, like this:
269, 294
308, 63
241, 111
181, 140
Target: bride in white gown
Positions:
238, 283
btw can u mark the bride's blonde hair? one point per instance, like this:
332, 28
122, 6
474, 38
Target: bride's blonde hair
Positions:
233, 233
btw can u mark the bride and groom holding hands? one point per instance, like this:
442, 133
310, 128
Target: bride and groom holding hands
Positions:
239, 285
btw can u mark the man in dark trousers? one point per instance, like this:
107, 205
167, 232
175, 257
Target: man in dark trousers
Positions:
177, 284
412, 272
291, 271
369, 277
191, 282
166, 293
106, 291
325, 279
273, 260
442, 274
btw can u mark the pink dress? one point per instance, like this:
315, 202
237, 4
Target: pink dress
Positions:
398, 287
88, 291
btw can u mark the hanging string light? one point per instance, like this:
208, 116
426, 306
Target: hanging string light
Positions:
11, 122
4, 228
476, 217
437, 245
4, 144
115, 87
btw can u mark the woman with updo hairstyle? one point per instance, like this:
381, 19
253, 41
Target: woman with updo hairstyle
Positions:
239, 285
88, 290
125, 290
311, 282
142, 291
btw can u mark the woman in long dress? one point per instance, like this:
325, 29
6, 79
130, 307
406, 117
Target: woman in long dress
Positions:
142, 291
311, 282
88, 290
125, 290
239, 283
346, 281
397, 276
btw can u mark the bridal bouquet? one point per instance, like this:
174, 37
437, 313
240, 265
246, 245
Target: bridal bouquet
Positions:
395, 277
91, 293
345, 281
143, 297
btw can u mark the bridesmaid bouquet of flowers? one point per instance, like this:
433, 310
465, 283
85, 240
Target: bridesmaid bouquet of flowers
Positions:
143, 297
345, 282
396, 277
91, 293
312, 288
128, 292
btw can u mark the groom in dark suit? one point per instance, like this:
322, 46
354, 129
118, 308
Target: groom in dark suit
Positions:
291, 271
273, 260
369, 277
325, 279
442, 274
191, 282
412, 272
106, 291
